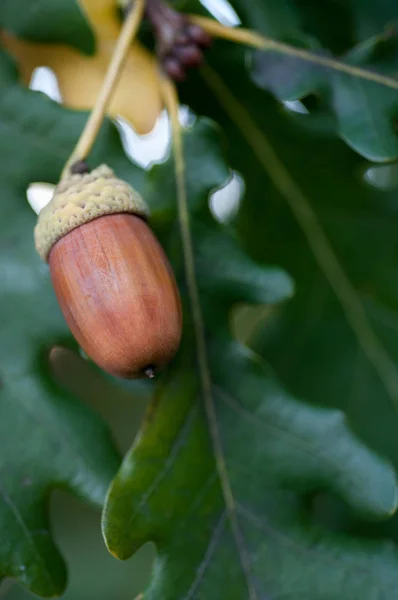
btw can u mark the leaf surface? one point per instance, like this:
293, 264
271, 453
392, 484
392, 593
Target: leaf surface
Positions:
223, 493
60, 21
47, 438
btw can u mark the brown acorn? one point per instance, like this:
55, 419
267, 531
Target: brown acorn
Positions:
112, 279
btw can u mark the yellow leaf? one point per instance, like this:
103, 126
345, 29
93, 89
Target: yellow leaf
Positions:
137, 97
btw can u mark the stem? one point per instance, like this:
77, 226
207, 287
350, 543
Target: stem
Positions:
240, 35
94, 122
171, 102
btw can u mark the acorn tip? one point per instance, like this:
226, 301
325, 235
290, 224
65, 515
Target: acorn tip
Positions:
150, 372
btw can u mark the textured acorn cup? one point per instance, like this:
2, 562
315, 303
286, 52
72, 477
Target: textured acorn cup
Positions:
112, 279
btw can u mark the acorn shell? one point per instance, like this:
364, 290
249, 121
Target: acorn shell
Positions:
117, 292
112, 278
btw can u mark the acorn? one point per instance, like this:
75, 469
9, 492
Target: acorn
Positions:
111, 276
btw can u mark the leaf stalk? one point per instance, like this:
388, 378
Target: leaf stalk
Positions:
94, 122
171, 103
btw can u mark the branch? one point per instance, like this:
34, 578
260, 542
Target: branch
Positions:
240, 35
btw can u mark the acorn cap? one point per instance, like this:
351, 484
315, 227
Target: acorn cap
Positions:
79, 198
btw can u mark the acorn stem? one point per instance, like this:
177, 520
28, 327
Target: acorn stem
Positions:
94, 122
79, 167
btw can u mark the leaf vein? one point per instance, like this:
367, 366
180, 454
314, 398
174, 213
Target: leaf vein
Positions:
177, 446
287, 541
316, 238
28, 534
202, 568
171, 101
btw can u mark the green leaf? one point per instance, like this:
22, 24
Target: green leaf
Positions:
365, 112
229, 499
47, 438
314, 342
310, 343
286, 77
60, 21
338, 25
279, 18
370, 17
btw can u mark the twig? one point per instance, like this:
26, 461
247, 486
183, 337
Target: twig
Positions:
240, 35
94, 122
